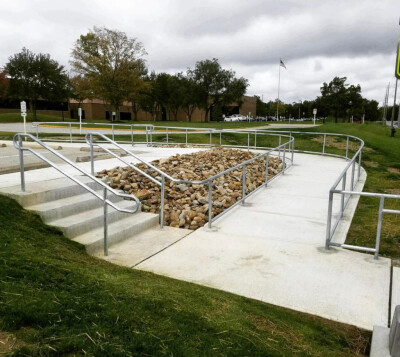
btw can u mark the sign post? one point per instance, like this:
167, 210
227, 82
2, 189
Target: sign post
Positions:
80, 120
23, 113
315, 113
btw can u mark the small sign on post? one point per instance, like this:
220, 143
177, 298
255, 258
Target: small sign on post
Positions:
113, 116
80, 120
23, 113
315, 113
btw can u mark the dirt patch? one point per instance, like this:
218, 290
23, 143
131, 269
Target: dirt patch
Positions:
373, 164
332, 141
393, 191
187, 205
393, 170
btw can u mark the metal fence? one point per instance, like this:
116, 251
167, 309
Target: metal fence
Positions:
347, 180
18, 143
284, 151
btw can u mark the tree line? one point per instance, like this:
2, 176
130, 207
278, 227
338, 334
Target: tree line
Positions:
338, 99
109, 65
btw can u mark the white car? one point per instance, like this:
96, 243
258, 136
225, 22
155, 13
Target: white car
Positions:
236, 117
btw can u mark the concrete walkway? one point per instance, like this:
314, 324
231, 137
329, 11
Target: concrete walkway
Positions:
271, 250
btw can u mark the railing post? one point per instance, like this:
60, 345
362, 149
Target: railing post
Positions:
91, 154
162, 201
343, 189
284, 160
352, 174
279, 144
112, 128
186, 137
379, 228
323, 147
147, 136
37, 131
329, 221
248, 141
209, 203
347, 148
210, 138
167, 137
21, 163
70, 133
105, 222
243, 183
359, 166
266, 169
292, 150
220, 137
255, 139
132, 135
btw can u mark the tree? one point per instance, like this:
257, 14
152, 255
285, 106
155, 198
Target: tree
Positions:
113, 63
36, 76
190, 94
217, 86
334, 95
81, 89
4, 83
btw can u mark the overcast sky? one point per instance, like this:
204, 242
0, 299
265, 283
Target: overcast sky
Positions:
317, 39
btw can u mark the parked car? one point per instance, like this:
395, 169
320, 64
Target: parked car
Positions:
236, 117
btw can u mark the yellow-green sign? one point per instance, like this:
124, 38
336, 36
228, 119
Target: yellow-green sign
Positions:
397, 72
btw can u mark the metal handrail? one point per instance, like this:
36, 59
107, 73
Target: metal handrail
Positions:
285, 146
18, 143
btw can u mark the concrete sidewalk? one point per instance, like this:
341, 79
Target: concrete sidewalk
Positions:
272, 250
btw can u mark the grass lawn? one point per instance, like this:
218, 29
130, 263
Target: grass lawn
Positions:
57, 300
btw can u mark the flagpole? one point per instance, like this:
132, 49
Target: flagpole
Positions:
279, 84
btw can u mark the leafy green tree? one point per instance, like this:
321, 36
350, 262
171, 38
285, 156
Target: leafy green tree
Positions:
217, 86
36, 76
261, 107
335, 96
81, 89
112, 62
190, 94
371, 110
4, 83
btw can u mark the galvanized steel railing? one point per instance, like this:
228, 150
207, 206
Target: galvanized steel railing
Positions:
18, 143
353, 167
281, 151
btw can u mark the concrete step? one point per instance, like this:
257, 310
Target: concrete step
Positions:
117, 231
45, 191
83, 222
64, 207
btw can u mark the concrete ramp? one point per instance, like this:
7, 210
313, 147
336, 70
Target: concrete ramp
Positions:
272, 249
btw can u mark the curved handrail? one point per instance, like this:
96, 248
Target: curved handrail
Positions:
17, 141
162, 173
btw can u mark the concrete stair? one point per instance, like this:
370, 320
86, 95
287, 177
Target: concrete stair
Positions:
79, 214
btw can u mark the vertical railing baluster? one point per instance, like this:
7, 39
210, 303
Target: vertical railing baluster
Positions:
105, 222
266, 169
210, 138
255, 139
162, 201
343, 189
323, 146
243, 183
329, 221
112, 128
379, 228
284, 160
186, 137
91, 154
209, 203
70, 133
132, 135
347, 148
167, 137
21, 163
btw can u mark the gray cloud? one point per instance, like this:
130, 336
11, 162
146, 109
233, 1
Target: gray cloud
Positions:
317, 39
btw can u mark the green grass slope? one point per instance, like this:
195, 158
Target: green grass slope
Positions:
57, 300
